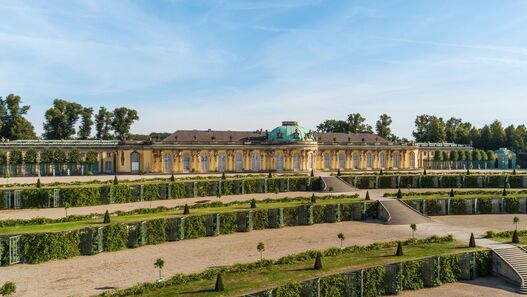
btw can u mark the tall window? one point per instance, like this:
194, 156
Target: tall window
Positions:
204, 162
256, 162
412, 160
342, 160
167, 163
135, 159
239, 162
382, 159
369, 161
356, 161
186, 162
280, 162
395, 160
296, 162
326, 161
221, 163
310, 161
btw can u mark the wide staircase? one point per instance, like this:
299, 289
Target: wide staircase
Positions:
516, 257
402, 214
334, 184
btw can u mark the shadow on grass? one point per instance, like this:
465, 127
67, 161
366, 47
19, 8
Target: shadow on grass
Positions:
105, 288
198, 291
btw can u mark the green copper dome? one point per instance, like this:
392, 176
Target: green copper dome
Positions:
290, 132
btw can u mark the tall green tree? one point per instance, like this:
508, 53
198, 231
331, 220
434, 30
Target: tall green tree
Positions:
13, 124
61, 119
103, 124
86, 123
429, 129
333, 126
451, 128
123, 119
497, 135
382, 126
357, 124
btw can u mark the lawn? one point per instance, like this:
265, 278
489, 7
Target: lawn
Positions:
51, 227
446, 196
276, 275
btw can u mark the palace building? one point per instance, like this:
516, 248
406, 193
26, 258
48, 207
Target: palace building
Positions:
287, 148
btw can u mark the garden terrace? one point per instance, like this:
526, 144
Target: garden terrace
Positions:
342, 270
436, 181
43, 242
97, 194
506, 236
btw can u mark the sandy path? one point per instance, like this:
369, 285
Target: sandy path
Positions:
87, 275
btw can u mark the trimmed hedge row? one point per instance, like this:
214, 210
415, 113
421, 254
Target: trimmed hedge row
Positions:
435, 181
123, 193
41, 247
464, 206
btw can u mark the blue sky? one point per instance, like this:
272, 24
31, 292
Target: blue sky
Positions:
251, 64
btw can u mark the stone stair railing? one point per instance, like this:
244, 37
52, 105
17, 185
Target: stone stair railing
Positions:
516, 260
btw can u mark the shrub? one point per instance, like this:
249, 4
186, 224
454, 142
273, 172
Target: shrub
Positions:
106, 217
512, 205
334, 285
367, 195
115, 181
485, 205
472, 242
253, 203
515, 237
483, 263
458, 206
399, 249
219, 283
115, 237
399, 194
413, 275
42, 247
260, 219
186, 210
228, 223
289, 290
156, 231
318, 262
450, 269
373, 281
9, 288
194, 227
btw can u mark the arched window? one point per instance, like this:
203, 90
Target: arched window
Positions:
382, 160
204, 162
412, 160
239, 162
369, 161
186, 162
326, 161
280, 162
395, 160
256, 162
167, 163
135, 159
342, 160
221, 162
296, 162
356, 161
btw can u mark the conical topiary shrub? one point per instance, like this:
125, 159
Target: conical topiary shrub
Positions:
424, 172
515, 237
399, 251
472, 242
106, 217
367, 195
186, 210
223, 175
172, 178
270, 175
313, 198
504, 192
399, 194
312, 173
253, 203
318, 262
338, 172
452, 194
380, 172
115, 180
219, 284
38, 183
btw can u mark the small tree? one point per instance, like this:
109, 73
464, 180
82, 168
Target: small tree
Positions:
341, 237
172, 178
414, 229
318, 262
223, 176
399, 251
253, 203
219, 283
515, 237
452, 194
468, 171
115, 180
514, 171
9, 288
399, 194
261, 248
270, 175
313, 198
472, 241
66, 206
38, 183
312, 173
504, 194
516, 221
367, 195
186, 210
106, 218
159, 264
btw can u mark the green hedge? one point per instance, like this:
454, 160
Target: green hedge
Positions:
485, 205
334, 285
413, 275
228, 223
41, 247
194, 227
115, 237
373, 281
81, 196
291, 216
450, 269
157, 231
289, 290
260, 219
457, 206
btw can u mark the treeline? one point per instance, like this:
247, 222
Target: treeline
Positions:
429, 128
62, 119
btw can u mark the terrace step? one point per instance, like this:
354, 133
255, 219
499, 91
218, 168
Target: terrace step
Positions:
336, 185
401, 214
516, 258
